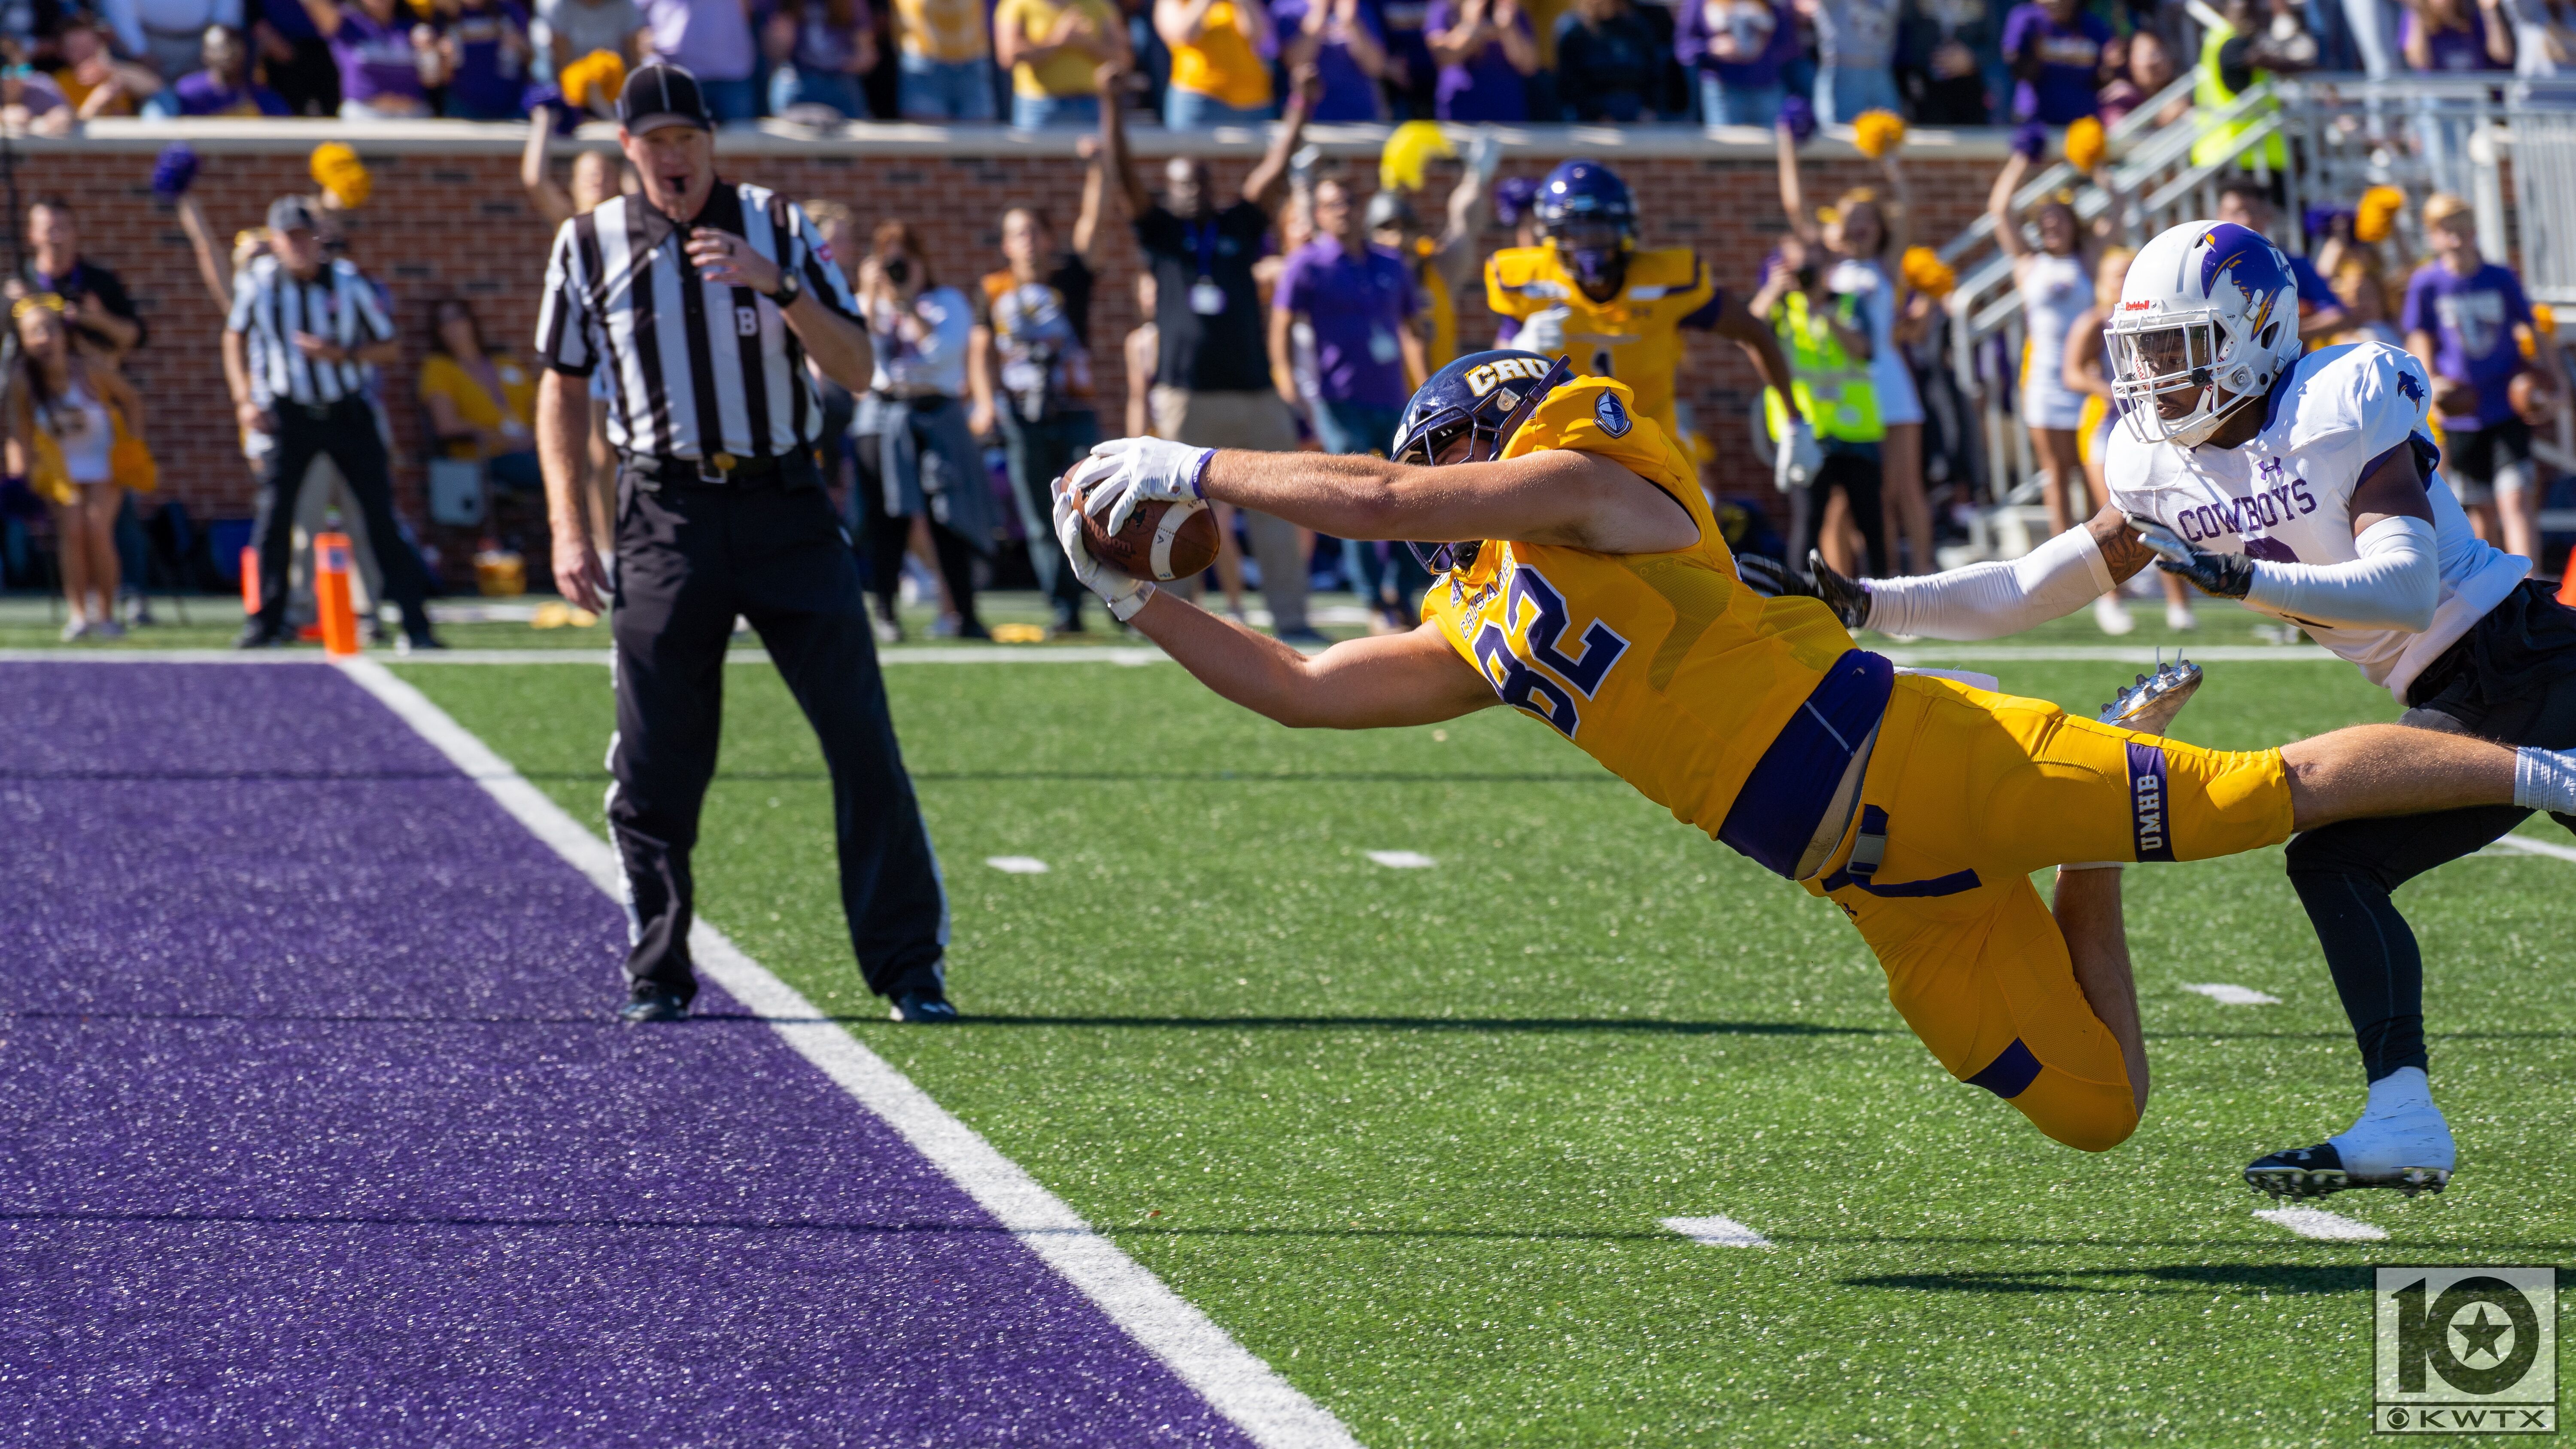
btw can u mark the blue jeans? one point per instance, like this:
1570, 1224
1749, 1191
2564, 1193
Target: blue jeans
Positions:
1721, 104
1843, 92
1054, 113
1357, 427
731, 100
1190, 111
1386, 576
789, 86
940, 90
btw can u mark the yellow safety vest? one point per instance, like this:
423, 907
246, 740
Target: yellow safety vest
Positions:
2210, 95
1834, 391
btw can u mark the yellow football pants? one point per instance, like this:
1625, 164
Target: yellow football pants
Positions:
1971, 792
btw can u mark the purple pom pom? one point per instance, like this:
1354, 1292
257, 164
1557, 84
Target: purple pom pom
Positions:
2030, 140
174, 172
1512, 198
1798, 114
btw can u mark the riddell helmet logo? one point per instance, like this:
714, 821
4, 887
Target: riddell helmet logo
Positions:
2135, 306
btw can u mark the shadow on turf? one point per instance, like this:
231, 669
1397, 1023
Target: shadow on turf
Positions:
2182, 1278
1428, 1023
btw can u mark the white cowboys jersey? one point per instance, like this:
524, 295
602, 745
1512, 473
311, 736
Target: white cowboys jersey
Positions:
2287, 496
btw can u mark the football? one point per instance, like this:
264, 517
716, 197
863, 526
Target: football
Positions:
1162, 541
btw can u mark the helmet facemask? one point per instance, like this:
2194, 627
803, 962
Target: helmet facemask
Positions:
2165, 370
1595, 250
1476, 434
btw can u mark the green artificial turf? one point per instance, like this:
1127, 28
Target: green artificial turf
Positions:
1408, 1134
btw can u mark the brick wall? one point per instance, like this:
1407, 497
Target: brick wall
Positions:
453, 219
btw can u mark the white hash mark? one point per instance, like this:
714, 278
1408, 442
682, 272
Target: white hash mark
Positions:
1402, 859
1017, 864
2525, 845
1717, 1232
2228, 995
2317, 1223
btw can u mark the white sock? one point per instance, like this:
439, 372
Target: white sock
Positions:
2544, 779
2400, 1128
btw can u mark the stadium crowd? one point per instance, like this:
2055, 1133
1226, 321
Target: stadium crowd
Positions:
1196, 63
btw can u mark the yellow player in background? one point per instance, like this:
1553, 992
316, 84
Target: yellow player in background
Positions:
1587, 293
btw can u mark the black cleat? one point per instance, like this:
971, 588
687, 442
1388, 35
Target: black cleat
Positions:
922, 1008
2307, 1172
256, 636
653, 1006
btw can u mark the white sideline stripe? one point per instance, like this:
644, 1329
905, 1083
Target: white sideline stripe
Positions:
1717, 1232
2525, 845
1402, 859
2226, 994
1205, 1357
2324, 1226
1017, 864
2109, 653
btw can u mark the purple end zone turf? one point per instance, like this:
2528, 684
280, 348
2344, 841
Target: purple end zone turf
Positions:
318, 1131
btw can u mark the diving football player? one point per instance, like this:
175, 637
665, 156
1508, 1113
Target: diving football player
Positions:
2308, 488
1581, 580
1587, 292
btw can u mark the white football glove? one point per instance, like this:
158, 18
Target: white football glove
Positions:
1796, 458
1123, 595
1124, 472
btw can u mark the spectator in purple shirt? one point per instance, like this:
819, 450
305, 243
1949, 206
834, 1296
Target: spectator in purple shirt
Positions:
1737, 48
223, 88
2466, 317
2454, 35
1608, 62
2055, 51
387, 64
1346, 43
1486, 54
487, 56
1360, 303
711, 39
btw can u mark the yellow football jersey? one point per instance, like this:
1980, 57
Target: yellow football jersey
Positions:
1635, 337
1664, 667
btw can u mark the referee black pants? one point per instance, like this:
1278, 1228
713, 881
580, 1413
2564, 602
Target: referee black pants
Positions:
690, 557
346, 430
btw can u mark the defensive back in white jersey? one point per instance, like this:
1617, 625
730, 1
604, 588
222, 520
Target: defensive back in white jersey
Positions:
2287, 495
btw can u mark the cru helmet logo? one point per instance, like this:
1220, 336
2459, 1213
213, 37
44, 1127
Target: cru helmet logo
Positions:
1613, 418
2466, 1350
1482, 380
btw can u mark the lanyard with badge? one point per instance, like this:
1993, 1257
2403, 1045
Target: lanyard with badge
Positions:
1206, 298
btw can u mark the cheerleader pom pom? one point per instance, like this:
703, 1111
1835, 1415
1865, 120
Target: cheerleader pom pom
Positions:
174, 172
1798, 118
2030, 140
2086, 145
2376, 216
1878, 133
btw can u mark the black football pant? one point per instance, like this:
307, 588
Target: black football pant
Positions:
690, 557
346, 430
2511, 679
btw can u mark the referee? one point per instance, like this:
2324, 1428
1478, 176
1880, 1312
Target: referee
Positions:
303, 330
703, 298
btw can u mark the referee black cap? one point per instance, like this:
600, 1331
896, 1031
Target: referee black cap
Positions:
293, 213
660, 95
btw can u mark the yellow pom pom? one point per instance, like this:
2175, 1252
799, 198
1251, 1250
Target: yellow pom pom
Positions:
2086, 145
593, 81
1878, 132
2376, 216
1408, 154
1925, 272
2544, 319
342, 174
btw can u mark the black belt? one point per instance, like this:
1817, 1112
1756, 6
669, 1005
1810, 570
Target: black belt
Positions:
721, 468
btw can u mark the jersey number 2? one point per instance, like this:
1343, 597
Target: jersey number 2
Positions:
1546, 685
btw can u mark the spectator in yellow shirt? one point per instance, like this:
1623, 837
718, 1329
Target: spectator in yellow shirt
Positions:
1055, 49
480, 403
1218, 75
944, 61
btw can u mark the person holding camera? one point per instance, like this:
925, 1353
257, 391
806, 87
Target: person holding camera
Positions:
923, 463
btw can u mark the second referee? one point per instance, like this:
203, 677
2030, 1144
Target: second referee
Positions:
702, 299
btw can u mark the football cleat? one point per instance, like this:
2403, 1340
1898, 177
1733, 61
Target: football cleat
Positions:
2149, 706
2310, 1172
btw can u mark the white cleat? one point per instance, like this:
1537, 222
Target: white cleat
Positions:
2401, 1141
2112, 615
2179, 617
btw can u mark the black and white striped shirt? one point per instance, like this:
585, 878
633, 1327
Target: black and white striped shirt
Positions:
695, 368
337, 304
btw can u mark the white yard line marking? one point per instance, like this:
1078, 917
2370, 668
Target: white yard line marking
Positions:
2227, 995
2525, 845
1202, 1355
1923, 652
1017, 864
2321, 1225
1717, 1232
1402, 859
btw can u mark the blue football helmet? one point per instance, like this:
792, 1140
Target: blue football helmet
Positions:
1468, 413
1591, 215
